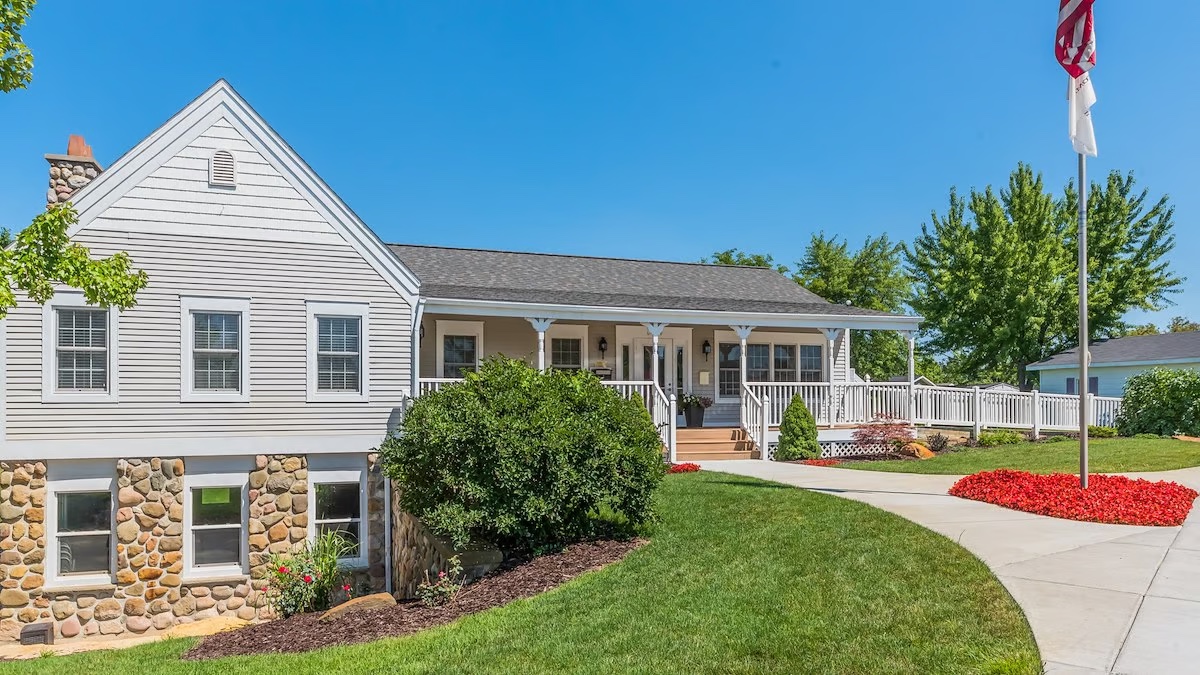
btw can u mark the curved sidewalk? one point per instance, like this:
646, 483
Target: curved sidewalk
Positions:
1100, 598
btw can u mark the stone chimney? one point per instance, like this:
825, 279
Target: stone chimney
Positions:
71, 171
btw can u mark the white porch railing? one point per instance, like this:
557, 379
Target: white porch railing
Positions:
662, 407
862, 402
755, 419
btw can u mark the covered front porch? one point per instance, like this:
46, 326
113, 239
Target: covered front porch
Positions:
750, 371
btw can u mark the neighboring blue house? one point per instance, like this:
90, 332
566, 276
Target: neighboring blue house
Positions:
1115, 361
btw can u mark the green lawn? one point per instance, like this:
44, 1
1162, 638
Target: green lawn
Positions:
741, 576
1105, 455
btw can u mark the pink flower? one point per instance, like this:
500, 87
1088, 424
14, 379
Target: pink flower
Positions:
308, 578
441, 575
346, 588
283, 569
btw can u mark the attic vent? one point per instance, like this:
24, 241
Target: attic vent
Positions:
222, 169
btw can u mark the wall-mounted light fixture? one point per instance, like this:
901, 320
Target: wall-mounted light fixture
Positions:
603, 345
706, 348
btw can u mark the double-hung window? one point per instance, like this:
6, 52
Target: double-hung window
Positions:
338, 495
80, 522
566, 346
79, 350
338, 363
214, 514
216, 351
811, 368
459, 347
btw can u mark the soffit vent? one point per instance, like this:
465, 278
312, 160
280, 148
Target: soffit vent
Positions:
222, 169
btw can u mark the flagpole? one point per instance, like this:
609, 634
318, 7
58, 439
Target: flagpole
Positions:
1084, 411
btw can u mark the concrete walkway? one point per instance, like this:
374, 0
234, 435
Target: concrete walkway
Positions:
1100, 598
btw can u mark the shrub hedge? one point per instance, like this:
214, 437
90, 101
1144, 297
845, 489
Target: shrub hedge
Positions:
1161, 401
990, 439
522, 459
797, 433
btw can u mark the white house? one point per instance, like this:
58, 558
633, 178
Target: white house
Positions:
1116, 360
152, 459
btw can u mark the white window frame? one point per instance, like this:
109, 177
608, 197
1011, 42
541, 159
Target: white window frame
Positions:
50, 391
210, 473
570, 332
445, 327
361, 311
78, 476
340, 469
770, 338
217, 305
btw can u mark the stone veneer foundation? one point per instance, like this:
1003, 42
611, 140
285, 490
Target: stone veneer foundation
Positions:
149, 592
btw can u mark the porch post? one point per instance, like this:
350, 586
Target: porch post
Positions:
541, 326
743, 333
831, 335
656, 330
912, 375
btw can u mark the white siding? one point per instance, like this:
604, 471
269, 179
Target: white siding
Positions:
1110, 379
260, 240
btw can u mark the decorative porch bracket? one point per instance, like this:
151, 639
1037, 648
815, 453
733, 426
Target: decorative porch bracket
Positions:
541, 326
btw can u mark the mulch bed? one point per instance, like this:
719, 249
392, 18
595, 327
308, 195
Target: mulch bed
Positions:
1108, 499
512, 581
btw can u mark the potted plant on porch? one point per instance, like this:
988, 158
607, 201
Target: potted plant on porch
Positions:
693, 408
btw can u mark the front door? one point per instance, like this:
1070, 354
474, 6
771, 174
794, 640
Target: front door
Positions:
670, 363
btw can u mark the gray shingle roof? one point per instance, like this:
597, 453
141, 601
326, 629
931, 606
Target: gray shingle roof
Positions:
475, 274
1134, 348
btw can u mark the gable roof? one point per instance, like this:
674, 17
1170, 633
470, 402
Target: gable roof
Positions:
1134, 349
221, 101
479, 274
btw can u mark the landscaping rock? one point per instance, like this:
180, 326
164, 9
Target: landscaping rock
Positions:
374, 601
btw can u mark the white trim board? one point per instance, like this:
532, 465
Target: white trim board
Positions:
215, 445
1114, 364
637, 315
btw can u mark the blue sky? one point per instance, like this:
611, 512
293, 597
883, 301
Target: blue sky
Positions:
640, 129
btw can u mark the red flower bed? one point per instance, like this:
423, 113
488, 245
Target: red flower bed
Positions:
821, 462
1108, 499
686, 467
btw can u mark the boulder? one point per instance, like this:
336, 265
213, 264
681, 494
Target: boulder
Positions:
917, 449
374, 601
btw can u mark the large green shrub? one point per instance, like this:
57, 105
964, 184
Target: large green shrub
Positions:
524, 459
1161, 401
797, 433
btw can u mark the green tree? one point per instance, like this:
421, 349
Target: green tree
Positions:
873, 277
995, 275
16, 61
735, 256
1181, 324
1142, 329
43, 256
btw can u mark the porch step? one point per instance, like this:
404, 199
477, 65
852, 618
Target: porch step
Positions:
704, 444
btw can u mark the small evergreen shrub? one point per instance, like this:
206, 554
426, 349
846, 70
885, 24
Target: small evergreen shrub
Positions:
797, 433
1161, 401
990, 439
1149, 436
309, 579
1101, 432
524, 460
1056, 439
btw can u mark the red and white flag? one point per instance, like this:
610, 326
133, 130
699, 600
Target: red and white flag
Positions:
1075, 48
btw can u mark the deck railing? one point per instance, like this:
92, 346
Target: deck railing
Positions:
755, 416
862, 402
